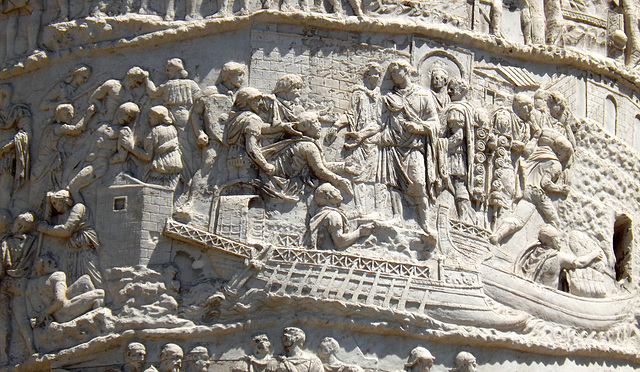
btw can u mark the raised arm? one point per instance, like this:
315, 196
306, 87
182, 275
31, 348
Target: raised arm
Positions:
341, 238
549, 181
314, 159
66, 229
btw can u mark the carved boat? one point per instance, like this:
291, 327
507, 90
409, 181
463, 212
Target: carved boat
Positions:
472, 245
443, 292
552, 304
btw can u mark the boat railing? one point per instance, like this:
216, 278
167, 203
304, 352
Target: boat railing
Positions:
191, 234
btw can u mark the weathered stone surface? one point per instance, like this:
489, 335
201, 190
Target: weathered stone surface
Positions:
305, 186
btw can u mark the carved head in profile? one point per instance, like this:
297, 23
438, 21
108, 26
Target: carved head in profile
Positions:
522, 106
45, 265
135, 76
465, 362
79, 75
197, 360
420, 360
540, 98
371, 74
439, 78
175, 69
557, 104
247, 99
401, 73
25, 223
457, 89
292, 337
134, 356
329, 346
159, 115
126, 113
327, 194
171, 358
550, 237
309, 125
233, 74
289, 87
261, 345
64, 113
61, 200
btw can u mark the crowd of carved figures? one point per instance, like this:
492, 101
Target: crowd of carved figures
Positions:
261, 359
403, 149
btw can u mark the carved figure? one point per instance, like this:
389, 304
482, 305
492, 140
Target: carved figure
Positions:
245, 128
65, 91
630, 11
439, 81
327, 354
521, 127
495, 18
261, 360
545, 261
170, 359
287, 92
18, 12
420, 360
197, 360
193, 10
540, 116
232, 77
296, 359
302, 157
18, 249
465, 362
107, 97
109, 148
542, 22
336, 5
362, 121
542, 172
458, 149
205, 117
329, 227
526, 22
501, 149
110, 94
72, 224
225, 8
134, 356
537, 20
15, 128
160, 149
407, 154
51, 298
46, 173
178, 94
554, 22
563, 120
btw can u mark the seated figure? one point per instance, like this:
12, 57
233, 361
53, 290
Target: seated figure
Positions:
545, 261
51, 298
329, 227
302, 157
